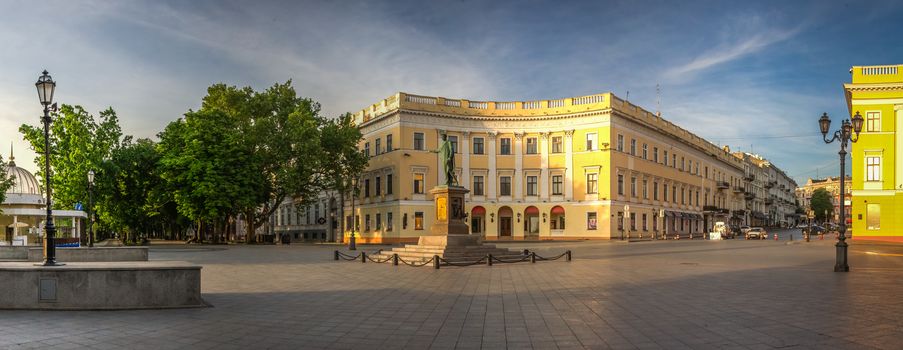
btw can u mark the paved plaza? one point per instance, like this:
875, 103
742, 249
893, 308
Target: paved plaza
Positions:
684, 294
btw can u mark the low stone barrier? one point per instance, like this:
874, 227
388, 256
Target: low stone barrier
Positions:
14, 252
101, 285
98, 254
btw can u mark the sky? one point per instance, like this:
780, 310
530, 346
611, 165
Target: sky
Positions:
754, 75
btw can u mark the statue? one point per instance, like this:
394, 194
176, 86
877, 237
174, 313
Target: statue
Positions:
447, 156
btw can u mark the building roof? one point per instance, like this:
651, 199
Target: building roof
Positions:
24, 183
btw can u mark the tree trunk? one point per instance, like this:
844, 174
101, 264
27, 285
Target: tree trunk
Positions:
250, 235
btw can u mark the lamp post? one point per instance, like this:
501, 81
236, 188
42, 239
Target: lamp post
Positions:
351, 243
844, 136
46, 86
91, 208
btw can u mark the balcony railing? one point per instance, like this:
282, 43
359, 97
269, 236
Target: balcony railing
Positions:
749, 177
738, 189
723, 184
749, 195
769, 201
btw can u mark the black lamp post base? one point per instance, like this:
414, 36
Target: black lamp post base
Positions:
841, 268
50, 263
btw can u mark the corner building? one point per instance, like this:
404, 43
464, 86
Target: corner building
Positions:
876, 92
591, 167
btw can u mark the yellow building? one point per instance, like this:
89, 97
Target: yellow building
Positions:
876, 93
592, 167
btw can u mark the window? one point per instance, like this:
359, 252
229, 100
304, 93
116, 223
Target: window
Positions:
674, 160
505, 146
389, 143
556, 144
389, 221
665, 192
388, 184
418, 141
633, 147
655, 154
591, 221
418, 183
682, 163
872, 168
674, 194
592, 181
531, 145
621, 184
654, 223
683, 197
367, 222
477, 185
418, 220
645, 228
556, 184
872, 121
620, 221
873, 216
620, 143
378, 186
645, 189
655, 190
505, 186
591, 139
706, 172
348, 222
633, 186
366, 188
477, 145
532, 186
378, 142
367, 149
666, 158
697, 198
454, 143
379, 221
645, 151
633, 221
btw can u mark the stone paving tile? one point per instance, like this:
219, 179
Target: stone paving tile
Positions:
654, 295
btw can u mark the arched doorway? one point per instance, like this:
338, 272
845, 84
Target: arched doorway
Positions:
531, 221
505, 214
557, 215
478, 220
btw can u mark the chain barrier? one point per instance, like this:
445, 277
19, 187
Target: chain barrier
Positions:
436, 260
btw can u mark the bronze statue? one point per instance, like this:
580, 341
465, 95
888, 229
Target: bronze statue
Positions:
447, 156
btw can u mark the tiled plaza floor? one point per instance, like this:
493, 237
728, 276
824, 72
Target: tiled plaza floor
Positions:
648, 295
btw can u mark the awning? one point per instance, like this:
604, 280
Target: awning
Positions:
478, 210
531, 210
557, 210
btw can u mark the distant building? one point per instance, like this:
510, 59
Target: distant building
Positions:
593, 167
24, 211
830, 184
769, 193
876, 93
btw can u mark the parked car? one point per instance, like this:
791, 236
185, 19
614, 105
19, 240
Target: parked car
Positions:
801, 225
756, 233
743, 229
814, 229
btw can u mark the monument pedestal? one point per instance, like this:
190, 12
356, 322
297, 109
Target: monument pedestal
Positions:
450, 237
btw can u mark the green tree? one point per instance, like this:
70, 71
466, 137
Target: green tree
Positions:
78, 143
342, 160
281, 130
821, 203
6, 182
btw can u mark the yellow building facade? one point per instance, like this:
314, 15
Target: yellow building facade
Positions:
590, 167
876, 93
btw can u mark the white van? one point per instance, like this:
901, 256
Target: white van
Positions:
723, 229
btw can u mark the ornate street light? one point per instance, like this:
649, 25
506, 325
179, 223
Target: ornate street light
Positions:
91, 208
354, 191
849, 132
46, 86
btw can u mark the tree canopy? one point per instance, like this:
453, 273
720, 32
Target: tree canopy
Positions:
821, 203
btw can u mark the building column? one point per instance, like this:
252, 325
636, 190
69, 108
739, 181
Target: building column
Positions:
464, 147
544, 165
518, 182
492, 177
569, 165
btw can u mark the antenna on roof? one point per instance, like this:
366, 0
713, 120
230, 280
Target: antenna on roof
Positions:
658, 100
627, 98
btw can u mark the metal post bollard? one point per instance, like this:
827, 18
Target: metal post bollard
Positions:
568, 255
336, 255
526, 251
363, 257
489, 259
395, 259
532, 257
436, 262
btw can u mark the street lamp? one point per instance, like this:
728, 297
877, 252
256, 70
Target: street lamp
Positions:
91, 208
843, 136
46, 86
351, 243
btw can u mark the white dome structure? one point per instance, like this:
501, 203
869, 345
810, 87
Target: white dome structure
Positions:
26, 189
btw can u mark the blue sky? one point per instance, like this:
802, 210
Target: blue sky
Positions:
733, 72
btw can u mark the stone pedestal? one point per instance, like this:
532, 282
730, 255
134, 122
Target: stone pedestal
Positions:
450, 211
